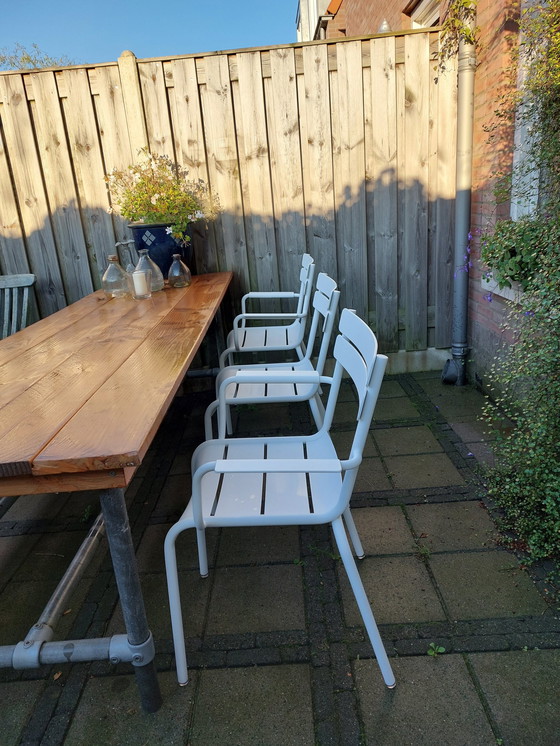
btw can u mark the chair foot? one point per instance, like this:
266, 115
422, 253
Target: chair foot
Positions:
183, 683
360, 556
204, 576
392, 686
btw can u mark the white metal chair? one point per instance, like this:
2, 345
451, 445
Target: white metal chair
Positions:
250, 384
286, 481
14, 302
288, 336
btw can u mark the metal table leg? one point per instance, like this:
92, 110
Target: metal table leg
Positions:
118, 534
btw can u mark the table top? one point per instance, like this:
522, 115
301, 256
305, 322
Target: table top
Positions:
83, 391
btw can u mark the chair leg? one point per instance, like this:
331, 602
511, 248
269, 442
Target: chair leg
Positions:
175, 608
353, 533
362, 601
202, 553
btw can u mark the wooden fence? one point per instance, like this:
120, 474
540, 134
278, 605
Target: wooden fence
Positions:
344, 149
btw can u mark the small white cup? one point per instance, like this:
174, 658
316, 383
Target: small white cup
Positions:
142, 281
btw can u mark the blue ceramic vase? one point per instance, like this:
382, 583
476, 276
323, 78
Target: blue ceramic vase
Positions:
160, 244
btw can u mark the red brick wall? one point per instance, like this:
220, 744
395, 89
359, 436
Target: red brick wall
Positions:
492, 155
364, 17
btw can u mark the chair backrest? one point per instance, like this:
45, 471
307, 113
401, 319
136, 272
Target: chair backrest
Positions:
306, 275
355, 351
325, 305
14, 302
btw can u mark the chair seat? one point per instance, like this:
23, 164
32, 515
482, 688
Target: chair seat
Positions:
266, 337
246, 393
271, 498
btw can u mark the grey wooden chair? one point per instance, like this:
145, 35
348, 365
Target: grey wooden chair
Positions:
14, 302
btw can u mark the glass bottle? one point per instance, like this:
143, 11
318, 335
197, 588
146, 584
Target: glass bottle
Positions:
179, 275
115, 281
144, 262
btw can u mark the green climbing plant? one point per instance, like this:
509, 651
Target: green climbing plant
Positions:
525, 480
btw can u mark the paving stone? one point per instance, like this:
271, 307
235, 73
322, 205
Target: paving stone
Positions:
383, 530
52, 554
18, 698
109, 713
13, 552
150, 552
248, 545
391, 389
343, 443
399, 441
244, 706
444, 527
434, 702
35, 507
372, 476
256, 598
425, 470
522, 689
398, 588
395, 409
194, 599
485, 584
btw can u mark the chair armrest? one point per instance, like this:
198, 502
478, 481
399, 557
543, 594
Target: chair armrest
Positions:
277, 465
275, 376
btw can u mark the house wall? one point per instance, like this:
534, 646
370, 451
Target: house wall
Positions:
361, 17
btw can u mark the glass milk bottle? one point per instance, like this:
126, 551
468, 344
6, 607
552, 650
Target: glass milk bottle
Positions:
115, 281
179, 275
145, 263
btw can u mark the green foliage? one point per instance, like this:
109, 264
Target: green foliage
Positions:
157, 190
514, 247
22, 58
458, 26
525, 480
435, 650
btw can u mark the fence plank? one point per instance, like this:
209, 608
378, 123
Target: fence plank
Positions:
12, 248
156, 111
26, 170
255, 172
349, 174
223, 170
381, 166
316, 137
285, 164
132, 98
59, 181
88, 168
115, 144
188, 132
415, 223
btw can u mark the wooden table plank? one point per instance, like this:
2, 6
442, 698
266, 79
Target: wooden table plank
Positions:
104, 361
82, 357
140, 391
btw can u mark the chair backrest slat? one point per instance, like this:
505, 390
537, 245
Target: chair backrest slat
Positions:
14, 302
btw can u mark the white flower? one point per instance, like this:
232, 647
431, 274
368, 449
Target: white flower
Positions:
169, 230
154, 198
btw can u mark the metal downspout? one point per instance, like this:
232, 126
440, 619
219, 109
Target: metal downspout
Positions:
455, 369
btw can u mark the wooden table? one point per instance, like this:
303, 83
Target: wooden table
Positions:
82, 394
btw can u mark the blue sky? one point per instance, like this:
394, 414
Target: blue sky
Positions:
99, 30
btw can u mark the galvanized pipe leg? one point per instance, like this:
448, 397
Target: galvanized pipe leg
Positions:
119, 538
